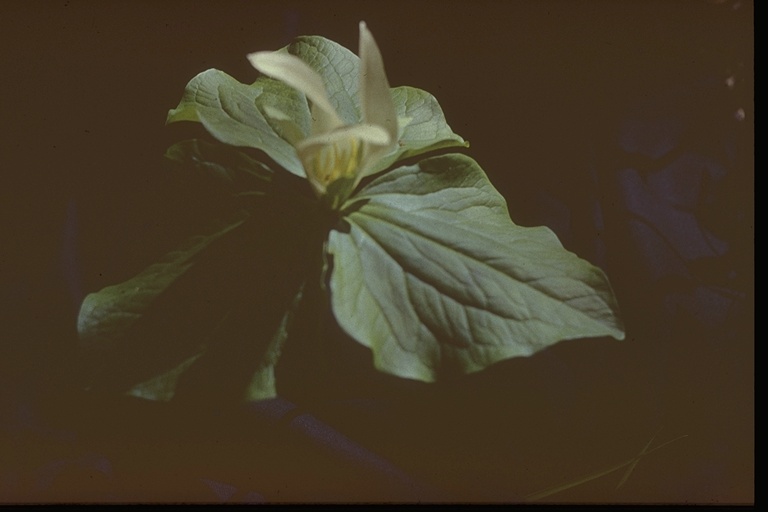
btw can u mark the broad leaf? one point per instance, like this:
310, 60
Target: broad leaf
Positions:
228, 110
425, 128
339, 69
127, 332
222, 165
106, 316
224, 300
431, 274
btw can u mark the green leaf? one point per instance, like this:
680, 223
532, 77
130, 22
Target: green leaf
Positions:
162, 387
223, 165
231, 113
424, 127
106, 315
128, 338
431, 274
222, 300
244, 347
339, 68
262, 384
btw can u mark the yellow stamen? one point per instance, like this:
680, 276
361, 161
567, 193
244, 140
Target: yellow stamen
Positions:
337, 160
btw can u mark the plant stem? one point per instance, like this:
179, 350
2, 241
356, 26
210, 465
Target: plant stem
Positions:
632, 463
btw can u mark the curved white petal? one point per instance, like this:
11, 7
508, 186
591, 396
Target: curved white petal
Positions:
375, 98
369, 133
322, 122
296, 73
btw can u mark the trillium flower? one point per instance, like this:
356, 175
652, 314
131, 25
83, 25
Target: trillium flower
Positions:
335, 155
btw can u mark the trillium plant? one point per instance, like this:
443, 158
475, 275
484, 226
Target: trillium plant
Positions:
344, 192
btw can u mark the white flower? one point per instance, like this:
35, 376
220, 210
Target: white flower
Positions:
336, 156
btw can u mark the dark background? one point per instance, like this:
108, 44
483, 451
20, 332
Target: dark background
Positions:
563, 102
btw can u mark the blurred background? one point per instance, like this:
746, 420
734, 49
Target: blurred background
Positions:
625, 126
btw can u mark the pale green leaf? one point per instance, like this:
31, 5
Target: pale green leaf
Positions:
230, 112
424, 127
431, 274
338, 67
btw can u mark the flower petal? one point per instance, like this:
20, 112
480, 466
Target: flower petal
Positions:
338, 156
295, 72
372, 134
375, 98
